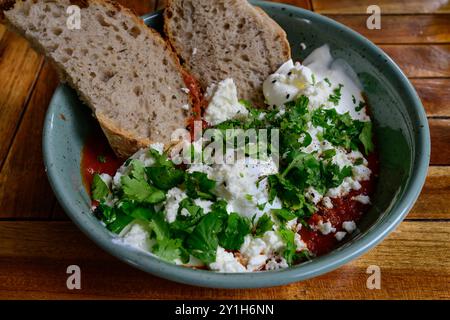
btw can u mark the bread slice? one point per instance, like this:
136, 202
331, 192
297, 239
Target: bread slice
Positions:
221, 39
123, 70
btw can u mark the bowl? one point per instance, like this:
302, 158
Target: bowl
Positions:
401, 132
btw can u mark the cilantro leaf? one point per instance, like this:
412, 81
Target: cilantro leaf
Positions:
284, 215
99, 189
198, 185
263, 225
168, 249
290, 249
140, 190
120, 222
366, 138
165, 178
237, 227
202, 243
336, 96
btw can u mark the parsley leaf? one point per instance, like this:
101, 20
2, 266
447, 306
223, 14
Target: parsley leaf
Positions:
336, 96
140, 190
198, 185
263, 225
165, 178
202, 243
99, 189
237, 227
366, 138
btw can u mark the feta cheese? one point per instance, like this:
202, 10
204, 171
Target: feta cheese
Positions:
226, 262
276, 263
172, 203
301, 245
313, 195
224, 104
204, 204
185, 90
185, 107
349, 226
137, 236
326, 201
362, 199
340, 235
325, 228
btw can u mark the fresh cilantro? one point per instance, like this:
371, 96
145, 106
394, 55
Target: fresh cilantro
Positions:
101, 158
99, 189
284, 215
366, 138
202, 243
165, 178
120, 222
198, 185
361, 106
336, 96
327, 82
359, 161
334, 176
140, 190
263, 225
135, 210
353, 99
328, 154
290, 249
237, 227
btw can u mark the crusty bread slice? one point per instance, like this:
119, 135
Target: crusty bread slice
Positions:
221, 39
124, 71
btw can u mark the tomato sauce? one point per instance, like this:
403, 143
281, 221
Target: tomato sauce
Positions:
97, 157
344, 209
199, 102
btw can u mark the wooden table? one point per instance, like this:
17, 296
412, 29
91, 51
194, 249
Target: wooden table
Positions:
37, 242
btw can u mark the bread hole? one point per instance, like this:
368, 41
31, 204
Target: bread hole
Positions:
245, 57
68, 51
135, 32
169, 14
165, 62
95, 56
53, 47
56, 14
47, 9
84, 52
111, 13
125, 26
119, 38
137, 91
64, 59
57, 31
174, 97
93, 75
110, 48
189, 35
102, 21
107, 75
226, 26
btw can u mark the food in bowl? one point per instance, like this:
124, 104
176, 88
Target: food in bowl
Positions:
253, 211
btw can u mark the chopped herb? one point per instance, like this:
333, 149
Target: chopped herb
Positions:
101, 159
237, 227
327, 81
366, 138
263, 225
336, 96
361, 106
353, 99
99, 189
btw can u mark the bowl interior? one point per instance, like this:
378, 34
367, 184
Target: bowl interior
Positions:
401, 134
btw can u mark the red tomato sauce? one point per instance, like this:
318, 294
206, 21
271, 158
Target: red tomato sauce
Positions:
344, 209
97, 157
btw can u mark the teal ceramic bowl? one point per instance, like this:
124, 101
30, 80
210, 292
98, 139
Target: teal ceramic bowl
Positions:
402, 136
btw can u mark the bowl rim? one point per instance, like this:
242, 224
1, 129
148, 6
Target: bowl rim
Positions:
318, 266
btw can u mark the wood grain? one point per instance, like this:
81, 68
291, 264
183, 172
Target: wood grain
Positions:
425, 61
24, 188
401, 29
440, 141
387, 6
435, 96
434, 201
19, 66
34, 267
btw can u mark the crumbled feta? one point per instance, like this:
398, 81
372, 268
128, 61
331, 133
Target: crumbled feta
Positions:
325, 228
326, 201
349, 226
362, 199
137, 236
226, 262
224, 104
194, 51
361, 173
204, 204
347, 185
172, 203
313, 195
276, 263
301, 245
340, 235
185, 107
185, 90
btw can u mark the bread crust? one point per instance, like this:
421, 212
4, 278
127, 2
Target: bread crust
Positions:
123, 142
257, 12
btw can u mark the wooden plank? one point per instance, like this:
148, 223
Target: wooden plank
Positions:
402, 28
387, 6
421, 61
440, 141
140, 6
435, 95
24, 188
34, 257
434, 201
19, 66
